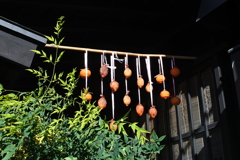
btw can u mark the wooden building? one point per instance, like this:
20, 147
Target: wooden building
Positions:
206, 124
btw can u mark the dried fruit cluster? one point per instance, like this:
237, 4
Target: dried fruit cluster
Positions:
114, 85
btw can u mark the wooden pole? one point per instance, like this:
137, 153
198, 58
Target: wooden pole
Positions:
117, 52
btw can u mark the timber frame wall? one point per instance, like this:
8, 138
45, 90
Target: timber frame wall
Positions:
205, 126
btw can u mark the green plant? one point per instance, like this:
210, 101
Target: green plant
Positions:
34, 125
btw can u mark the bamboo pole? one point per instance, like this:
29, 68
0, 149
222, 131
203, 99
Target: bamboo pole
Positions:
117, 52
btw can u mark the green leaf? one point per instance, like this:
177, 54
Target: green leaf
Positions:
116, 150
50, 38
70, 158
125, 116
30, 70
26, 132
11, 95
154, 135
10, 150
50, 58
60, 56
138, 134
133, 126
8, 115
44, 53
1, 87
36, 51
55, 76
161, 147
59, 30
61, 40
60, 75
19, 122
120, 127
161, 138
47, 61
125, 139
142, 130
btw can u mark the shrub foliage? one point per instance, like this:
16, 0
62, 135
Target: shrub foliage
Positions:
33, 125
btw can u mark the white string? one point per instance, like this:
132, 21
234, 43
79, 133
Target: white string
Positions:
104, 58
149, 77
173, 81
126, 63
86, 66
112, 77
126, 59
119, 60
137, 67
162, 71
102, 62
173, 61
113, 65
159, 65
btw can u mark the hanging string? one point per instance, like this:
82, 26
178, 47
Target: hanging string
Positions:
86, 66
126, 65
174, 90
149, 77
112, 78
126, 60
138, 75
173, 59
113, 64
159, 65
118, 59
105, 60
103, 57
161, 61
101, 77
139, 66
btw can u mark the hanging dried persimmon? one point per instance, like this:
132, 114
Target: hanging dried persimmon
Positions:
127, 72
152, 112
114, 85
113, 127
103, 71
160, 78
140, 82
83, 73
139, 109
148, 87
88, 96
175, 101
126, 100
102, 103
175, 71
164, 94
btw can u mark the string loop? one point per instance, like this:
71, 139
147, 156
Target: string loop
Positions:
149, 77
138, 75
86, 66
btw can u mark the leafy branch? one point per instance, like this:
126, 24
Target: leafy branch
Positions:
36, 124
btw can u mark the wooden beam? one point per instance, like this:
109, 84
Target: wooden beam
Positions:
118, 52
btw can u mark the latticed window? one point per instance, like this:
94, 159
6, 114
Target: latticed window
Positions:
192, 125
